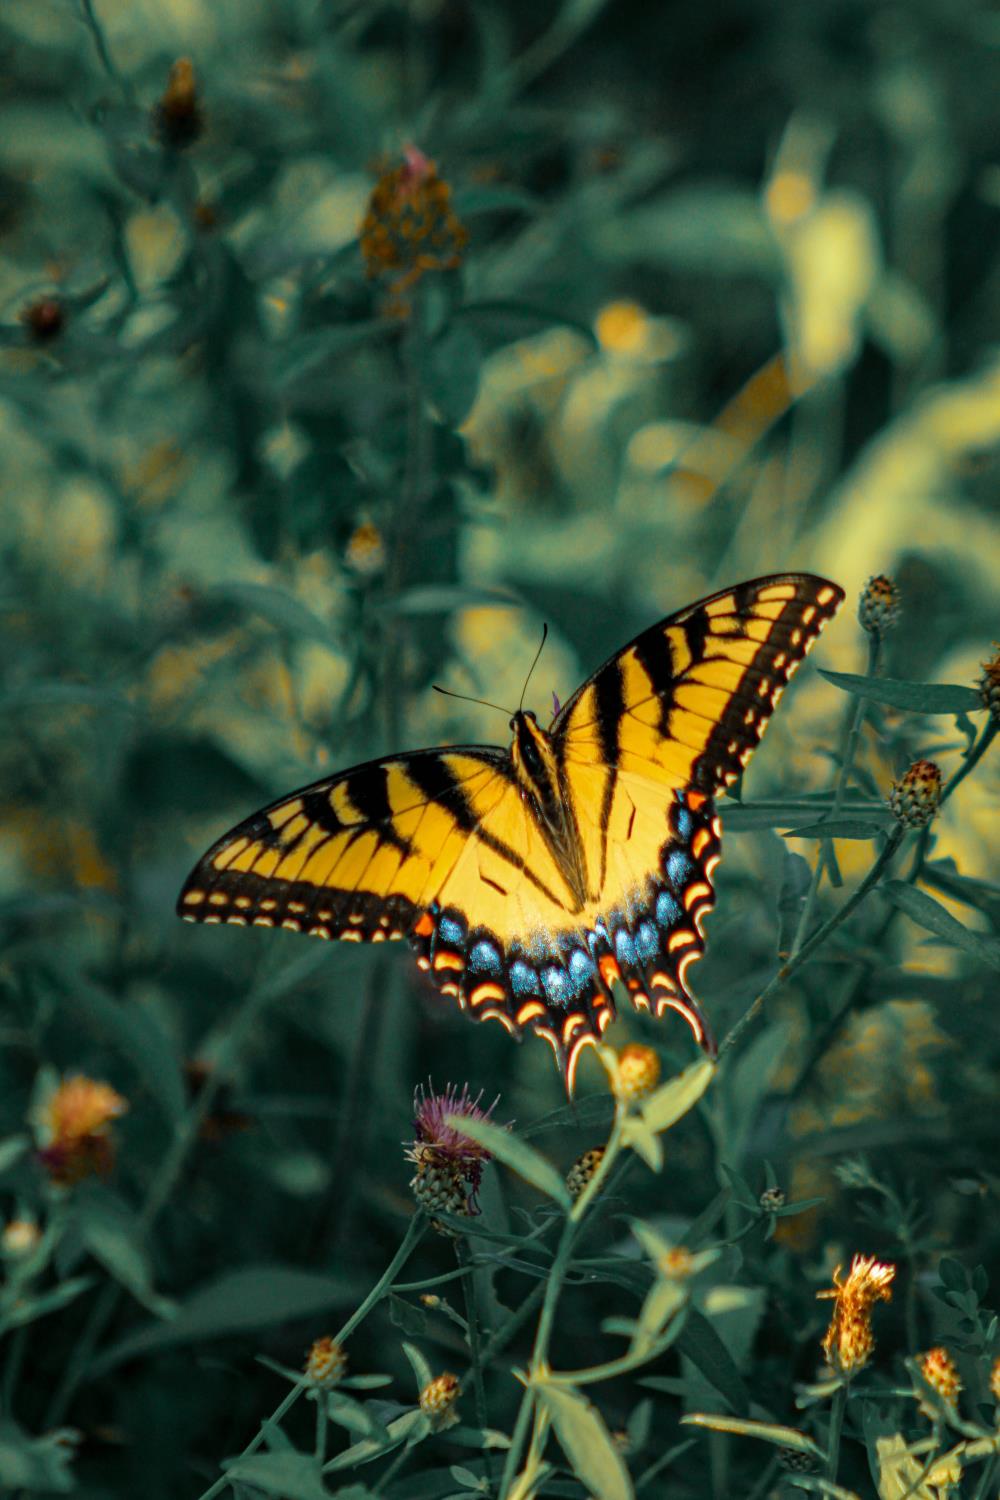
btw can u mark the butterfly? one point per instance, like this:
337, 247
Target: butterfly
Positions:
529, 880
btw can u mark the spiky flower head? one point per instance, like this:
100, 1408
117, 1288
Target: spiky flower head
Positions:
325, 1362
771, 1199
916, 796
941, 1374
437, 1400
849, 1341
878, 606
583, 1169
989, 684
74, 1125
995, 1380
178, 117
410, 228
638, 1072
449, 1165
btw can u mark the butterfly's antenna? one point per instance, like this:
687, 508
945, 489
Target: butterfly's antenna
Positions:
464, 698
534, 664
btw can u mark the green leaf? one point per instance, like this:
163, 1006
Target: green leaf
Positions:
643, 1141
293, 1476
930, 914
522, 1159
27, 1309
768, 1432
672, 1100
493, 200
311, 356
441, 599
700, 1343
711, 228
140, 1038
422, 1372
586, 1442
918, 697
841, 828
279, 609
35, 1464
251, 1298
112, 1234
12, 1148
450, 377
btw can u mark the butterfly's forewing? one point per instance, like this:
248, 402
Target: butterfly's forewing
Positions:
646, 744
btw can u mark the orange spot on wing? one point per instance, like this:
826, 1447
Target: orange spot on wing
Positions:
696, 801
696, 892
609, 968
487, 991
701, 838
425, 926
529, 1011
446, 960
588, 1040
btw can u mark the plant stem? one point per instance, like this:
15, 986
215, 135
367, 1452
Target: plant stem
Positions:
818, 938
414, 1234
394, 1468
836, 1427
854, 722
475, 1349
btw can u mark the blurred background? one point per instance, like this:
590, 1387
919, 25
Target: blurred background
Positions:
715, 293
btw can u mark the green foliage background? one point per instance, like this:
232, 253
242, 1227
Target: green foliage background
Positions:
790, 207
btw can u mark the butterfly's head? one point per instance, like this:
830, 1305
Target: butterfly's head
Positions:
531, 750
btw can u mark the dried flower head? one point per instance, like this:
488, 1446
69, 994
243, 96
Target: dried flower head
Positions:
19, 1237
178, 118
325, 1362
995, 1379
365, 550
797, 1462
74, 1126
849, 1342
878, 606
638, 1072
44, 319
989, 684
410, 228
437, 1400
583, 1169
915, 797
941, 1374
449, 1165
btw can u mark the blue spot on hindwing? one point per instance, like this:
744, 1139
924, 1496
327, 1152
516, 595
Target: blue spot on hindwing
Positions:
647, 940
484, 956
556, 985
624, 950
451, 931
581, 970
668, 911
523, 979
684, 822
679, 868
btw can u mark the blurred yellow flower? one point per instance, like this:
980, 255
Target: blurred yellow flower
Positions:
849, 1342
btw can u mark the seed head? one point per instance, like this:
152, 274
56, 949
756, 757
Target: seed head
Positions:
939, 1370
638, 1072
177, 117
795, 1461
849, 1341
325, 1362
772, 1198
410, 228
878, 606
437, 1400
583, 1169
914, 799
74, 1125
989, 684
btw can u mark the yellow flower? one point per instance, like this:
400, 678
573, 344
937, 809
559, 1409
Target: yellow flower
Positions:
938, 1369
177, 117
326, 1361
365, 550
74, 1125
638, 1072
437, 1400
849, 1342
410, 227
995, 1379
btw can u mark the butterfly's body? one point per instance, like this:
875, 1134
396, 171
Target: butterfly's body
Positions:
529, 880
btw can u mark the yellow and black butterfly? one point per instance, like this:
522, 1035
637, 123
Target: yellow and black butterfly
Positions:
529, 879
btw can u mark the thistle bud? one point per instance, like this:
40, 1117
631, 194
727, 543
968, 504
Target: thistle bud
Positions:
437, 1400
914, 799
178, 117
878, 606
440, 1187
326, 1362
938, 1369
795, 1461
989, 685
583, 1169
772, 1198
638, 1072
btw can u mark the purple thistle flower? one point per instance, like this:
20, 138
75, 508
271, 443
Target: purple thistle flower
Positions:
438, 1149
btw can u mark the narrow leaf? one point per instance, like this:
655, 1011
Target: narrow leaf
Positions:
522, 1159
279, 609
700, 1343
928, 913
294, 1476
841, 828
918, 697
586, 1442
666, 1106
769, 1432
